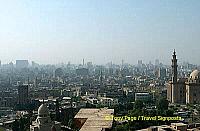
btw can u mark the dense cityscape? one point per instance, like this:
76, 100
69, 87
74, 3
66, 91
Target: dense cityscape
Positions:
79, 97
99, 65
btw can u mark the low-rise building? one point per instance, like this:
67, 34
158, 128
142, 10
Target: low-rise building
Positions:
94, 119
108, 102
173, 127
143, 96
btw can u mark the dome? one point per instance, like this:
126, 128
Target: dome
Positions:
195, 74
59, 72
43, 110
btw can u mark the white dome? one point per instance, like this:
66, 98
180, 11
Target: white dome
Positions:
43, 110
195, 74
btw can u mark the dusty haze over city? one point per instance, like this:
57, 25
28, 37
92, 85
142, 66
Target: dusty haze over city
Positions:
99, 31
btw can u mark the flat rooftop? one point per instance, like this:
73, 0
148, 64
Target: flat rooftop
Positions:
95, 118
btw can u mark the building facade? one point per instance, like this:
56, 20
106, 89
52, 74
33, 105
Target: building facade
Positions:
193, 88
22, 64
23, 94
183, 90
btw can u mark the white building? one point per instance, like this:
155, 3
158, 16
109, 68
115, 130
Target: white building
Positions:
43, 121
105, 101
143, 96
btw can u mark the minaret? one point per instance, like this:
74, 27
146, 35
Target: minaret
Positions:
83, 62
122, 64
174, 67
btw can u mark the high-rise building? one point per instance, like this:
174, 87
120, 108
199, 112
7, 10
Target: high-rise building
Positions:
157, 62
22, 63
23, 98
161, 72
139, 62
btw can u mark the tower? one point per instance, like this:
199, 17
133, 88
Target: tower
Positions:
176, 88
174, 79
23, 94
174, 67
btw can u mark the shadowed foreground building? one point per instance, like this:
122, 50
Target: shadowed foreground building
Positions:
174, 127
94, 119
23, 98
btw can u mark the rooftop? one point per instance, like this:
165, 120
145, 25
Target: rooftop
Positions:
95, 118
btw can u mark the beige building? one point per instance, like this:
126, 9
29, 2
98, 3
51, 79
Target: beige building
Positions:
108, 102
176, 87
94, 119
193, 88
183, 90
176, 92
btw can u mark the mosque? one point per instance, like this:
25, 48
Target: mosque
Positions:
183, 90
44, 122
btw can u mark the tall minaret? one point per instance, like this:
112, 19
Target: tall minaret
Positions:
174, 67
83, 62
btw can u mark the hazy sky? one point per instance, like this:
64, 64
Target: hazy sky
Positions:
55, 31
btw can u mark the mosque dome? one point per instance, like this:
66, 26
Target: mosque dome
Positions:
43, 110
59, 72
195, 74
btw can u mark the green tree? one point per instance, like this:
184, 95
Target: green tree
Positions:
124, 127
162, 104
15, 126
139, 104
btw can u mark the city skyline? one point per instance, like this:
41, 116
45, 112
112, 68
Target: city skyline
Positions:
152, 62
100, 31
